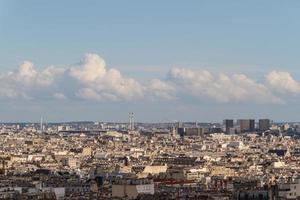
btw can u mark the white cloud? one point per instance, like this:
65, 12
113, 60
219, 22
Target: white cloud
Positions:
161, 89
282, 82
90, 94
91, 68
26, 79
90, 79
104, 84
27, 75
221, 87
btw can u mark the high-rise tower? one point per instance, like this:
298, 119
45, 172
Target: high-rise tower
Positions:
264, 124
131, 121
228, 123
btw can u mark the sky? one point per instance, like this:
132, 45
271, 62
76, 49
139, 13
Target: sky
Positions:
163, 60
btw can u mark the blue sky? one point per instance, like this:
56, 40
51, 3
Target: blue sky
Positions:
145, 40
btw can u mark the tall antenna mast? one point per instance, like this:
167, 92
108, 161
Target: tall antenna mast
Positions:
132, 121
129, 124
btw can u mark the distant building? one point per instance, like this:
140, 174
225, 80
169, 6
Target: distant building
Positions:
87, 151
179, 125
246, 124
289, 190
181, 132
132, 188
264, 124
194, 131
71, 162
228, 125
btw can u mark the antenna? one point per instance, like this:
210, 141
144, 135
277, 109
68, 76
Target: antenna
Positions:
132, 121
129, 124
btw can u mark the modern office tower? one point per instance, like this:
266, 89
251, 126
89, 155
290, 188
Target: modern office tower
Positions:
264, 124
179, 125
228, 125
181, 132
252, 125
246, 124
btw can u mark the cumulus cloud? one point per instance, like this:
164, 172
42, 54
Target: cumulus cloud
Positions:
91, 79
100, 83
282, 82
161, 89
221, 87
26, 79
27, 75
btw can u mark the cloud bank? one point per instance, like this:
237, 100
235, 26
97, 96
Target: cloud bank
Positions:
100, 83
91, 80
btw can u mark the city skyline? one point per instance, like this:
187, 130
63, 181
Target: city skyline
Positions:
188, 62
130, 99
